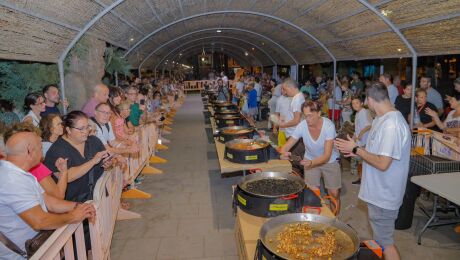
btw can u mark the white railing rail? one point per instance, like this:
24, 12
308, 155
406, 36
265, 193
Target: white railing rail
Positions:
106, 200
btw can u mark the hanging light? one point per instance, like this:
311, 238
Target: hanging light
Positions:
203, 55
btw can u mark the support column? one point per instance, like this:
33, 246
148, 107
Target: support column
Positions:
381, 68
116, 78
62, 85
414, 82
275, 72
333, 91
294, 72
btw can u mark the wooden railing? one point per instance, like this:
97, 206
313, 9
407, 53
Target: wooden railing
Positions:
106, 200
62, 241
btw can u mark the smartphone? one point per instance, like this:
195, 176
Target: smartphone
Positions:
108, 158
142, 102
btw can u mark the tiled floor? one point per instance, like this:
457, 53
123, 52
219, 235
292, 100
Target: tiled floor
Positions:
190, 214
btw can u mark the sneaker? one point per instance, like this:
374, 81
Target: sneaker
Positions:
357, 182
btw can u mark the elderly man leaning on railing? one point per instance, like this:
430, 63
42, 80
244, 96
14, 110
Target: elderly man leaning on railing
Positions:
25, 208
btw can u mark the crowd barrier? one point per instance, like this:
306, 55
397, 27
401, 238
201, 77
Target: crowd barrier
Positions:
67, 240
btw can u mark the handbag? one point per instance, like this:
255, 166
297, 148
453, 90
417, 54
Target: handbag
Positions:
33, 244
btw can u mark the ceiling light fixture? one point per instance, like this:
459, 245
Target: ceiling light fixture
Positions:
399, 49
219, 30
246, 53
386, 12
132, 39
203, 55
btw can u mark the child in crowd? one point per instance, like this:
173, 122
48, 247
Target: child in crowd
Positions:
363, 123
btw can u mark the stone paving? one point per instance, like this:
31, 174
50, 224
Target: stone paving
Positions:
190, 216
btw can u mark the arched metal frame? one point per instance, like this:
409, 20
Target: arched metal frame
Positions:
240, 56
75, 40
184, 44
236, 12
241, 59
209, 46
407, 43
235, 54
218, 28
214, 37
118, 2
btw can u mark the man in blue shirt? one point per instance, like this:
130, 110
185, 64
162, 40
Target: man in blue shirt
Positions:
51, 94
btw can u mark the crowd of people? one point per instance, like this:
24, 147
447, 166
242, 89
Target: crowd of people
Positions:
307, 118
51, 161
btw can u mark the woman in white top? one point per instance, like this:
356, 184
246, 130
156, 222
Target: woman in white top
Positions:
451, 124
51, 127
34, 104
320, 158
363, 123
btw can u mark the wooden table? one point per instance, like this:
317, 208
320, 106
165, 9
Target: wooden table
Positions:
445, 185
227, 167
247, 229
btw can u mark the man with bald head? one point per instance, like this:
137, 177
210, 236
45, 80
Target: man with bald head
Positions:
100, 95
25, 207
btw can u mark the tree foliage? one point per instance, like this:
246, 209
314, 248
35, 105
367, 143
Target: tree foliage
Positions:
17, 79
114, 62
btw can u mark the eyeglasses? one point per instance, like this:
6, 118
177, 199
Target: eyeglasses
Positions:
83, 129
104, 112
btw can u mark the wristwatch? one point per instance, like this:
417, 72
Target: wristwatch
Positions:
355, 149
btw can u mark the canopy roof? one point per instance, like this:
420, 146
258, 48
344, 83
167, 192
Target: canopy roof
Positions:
272, 31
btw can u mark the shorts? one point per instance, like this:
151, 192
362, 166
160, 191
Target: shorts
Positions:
382, 223
336, 114
329, 171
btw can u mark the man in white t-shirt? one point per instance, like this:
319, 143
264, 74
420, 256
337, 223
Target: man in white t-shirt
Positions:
224, 78
334, 107
238, 90
283, 104
386, 166
433, 95
294, 115
393, 92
